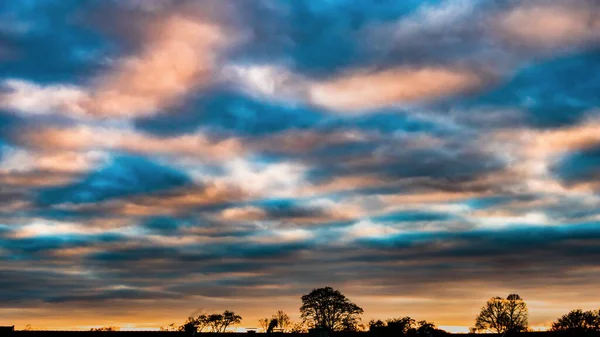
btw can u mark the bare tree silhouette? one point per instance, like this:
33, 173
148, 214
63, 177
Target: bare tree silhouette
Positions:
170, 327
503, 315
283, 320
264, 323
298, 327
229, 318
216, 322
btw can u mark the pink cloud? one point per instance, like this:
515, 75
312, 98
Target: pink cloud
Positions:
179, 56
236, 214
365, 90
360, 89
551, 24
82, 138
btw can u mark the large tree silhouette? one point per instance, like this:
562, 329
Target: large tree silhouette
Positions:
578, 321
328, 308
503, 315
229, 318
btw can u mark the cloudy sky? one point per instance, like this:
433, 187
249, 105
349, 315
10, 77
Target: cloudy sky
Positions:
161, 157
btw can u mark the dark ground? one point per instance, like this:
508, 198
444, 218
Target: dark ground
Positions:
183, 334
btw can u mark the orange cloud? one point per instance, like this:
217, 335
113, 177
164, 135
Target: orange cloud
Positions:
179, 56
533, 152
34, 178
360, 89
547, 143
551, 25
428, 197
236, 214
568, 139
171, 202
89, 138
370, 90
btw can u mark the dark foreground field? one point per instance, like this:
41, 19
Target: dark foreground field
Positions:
183, 334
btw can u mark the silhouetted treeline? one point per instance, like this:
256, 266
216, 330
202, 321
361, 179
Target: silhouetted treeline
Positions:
327, 312
41, 333
578, 321
212, 322
404, 326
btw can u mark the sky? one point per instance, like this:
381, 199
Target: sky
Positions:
161, 158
